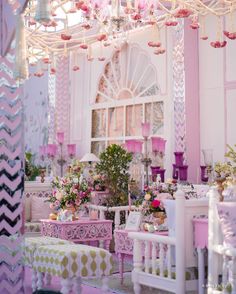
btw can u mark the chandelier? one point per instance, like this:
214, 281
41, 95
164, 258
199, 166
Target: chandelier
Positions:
49, 28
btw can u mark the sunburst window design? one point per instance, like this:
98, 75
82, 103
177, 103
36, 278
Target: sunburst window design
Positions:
128, 94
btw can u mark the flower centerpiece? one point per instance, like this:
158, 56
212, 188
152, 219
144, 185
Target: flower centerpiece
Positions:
151, 200
69, 193
225, 173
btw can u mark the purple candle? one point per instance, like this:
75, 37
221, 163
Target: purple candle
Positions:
71, 148
179, 158
145, 129
183, 173
60, 137
155, 144
162, 146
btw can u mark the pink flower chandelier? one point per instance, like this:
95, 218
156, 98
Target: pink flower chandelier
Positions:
56, 27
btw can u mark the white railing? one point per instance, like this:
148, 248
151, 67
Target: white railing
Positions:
145, 270
116, 209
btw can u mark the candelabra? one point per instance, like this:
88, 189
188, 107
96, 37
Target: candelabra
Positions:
206, 170
71, 150
50, 151
158, 147
180, 171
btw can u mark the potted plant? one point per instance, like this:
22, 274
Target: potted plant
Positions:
114, 168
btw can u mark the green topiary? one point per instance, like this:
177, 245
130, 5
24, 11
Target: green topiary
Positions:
114, 166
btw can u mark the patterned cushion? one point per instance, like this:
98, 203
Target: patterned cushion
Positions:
32, 243
69, 261
227, 215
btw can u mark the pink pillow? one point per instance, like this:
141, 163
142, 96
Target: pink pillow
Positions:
227, 215
39, 209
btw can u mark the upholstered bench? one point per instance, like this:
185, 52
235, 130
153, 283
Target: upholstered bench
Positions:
29, 247
72, 263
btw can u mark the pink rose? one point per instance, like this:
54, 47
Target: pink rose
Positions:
155, 203
52, 205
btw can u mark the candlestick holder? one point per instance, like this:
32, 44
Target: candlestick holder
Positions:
208, 160
158, 148
180, 171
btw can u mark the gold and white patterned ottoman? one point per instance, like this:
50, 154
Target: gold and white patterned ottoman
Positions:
72, 263
30, 245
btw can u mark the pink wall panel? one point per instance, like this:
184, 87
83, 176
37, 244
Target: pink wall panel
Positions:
191, 62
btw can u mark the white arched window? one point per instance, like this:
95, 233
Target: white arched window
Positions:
127, 95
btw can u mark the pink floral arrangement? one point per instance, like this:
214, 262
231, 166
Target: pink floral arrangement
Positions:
70, 191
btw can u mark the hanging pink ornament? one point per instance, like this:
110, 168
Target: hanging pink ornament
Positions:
90, 58
76, 68
84, 46
32, 22
52, 71
154, 44
65, 37
53, 23
159, 51
204, 38
231, 36
102, 37
38, 74
136, 16
171, 23
46, 60
84, 8
218, 44
86, 26
101, 58
183, 12
194, 25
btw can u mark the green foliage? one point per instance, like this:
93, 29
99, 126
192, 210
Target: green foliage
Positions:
31, 170
114, 166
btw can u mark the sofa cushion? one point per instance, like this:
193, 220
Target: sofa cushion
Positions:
39, 209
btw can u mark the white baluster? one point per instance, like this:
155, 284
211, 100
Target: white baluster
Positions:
154, 257
137, 264
161, 259
101, 215
147, 256
201, 271
169, 260
213, 238
126, 215
117, 219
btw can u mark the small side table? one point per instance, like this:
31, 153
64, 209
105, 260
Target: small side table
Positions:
201, 244
124, 247
80, 231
